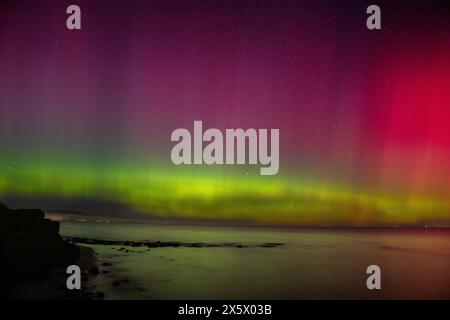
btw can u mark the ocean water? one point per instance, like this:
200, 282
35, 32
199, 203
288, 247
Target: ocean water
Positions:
312, 263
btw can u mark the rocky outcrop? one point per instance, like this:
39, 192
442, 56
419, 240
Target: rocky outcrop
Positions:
170, 244
30, 247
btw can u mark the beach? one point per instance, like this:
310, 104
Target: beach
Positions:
148, 261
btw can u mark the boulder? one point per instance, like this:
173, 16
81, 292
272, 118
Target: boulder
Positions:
30, 247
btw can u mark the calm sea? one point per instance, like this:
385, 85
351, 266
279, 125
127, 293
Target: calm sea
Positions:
312, 263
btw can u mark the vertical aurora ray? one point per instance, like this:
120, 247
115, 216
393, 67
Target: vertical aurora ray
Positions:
363, 115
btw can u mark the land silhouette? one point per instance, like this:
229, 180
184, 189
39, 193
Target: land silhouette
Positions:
31, 251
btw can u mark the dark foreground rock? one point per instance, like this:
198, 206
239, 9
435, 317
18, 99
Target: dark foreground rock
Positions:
30, 248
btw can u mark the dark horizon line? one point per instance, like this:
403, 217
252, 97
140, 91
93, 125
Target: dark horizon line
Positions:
176, 221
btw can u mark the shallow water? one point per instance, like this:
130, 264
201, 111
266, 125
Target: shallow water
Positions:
312, 263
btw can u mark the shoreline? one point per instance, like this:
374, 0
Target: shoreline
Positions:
53, 286
34, 258
171, 244
134, 269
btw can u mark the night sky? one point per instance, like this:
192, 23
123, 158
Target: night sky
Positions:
364, 115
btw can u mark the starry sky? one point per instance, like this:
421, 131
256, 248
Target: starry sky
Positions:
86, 115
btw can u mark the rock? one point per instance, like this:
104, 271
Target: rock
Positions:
136, 244
197, 245
271, 244
94, 271
30, 247
116, 283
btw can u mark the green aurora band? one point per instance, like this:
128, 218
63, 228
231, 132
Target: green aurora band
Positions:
202, 193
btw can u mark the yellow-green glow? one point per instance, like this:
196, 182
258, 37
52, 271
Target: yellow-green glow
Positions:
226, 194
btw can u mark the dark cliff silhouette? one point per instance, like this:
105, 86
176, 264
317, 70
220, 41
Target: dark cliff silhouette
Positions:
30, 247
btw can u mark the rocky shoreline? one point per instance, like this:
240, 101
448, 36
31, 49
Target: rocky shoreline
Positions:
171, 244
34, 257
